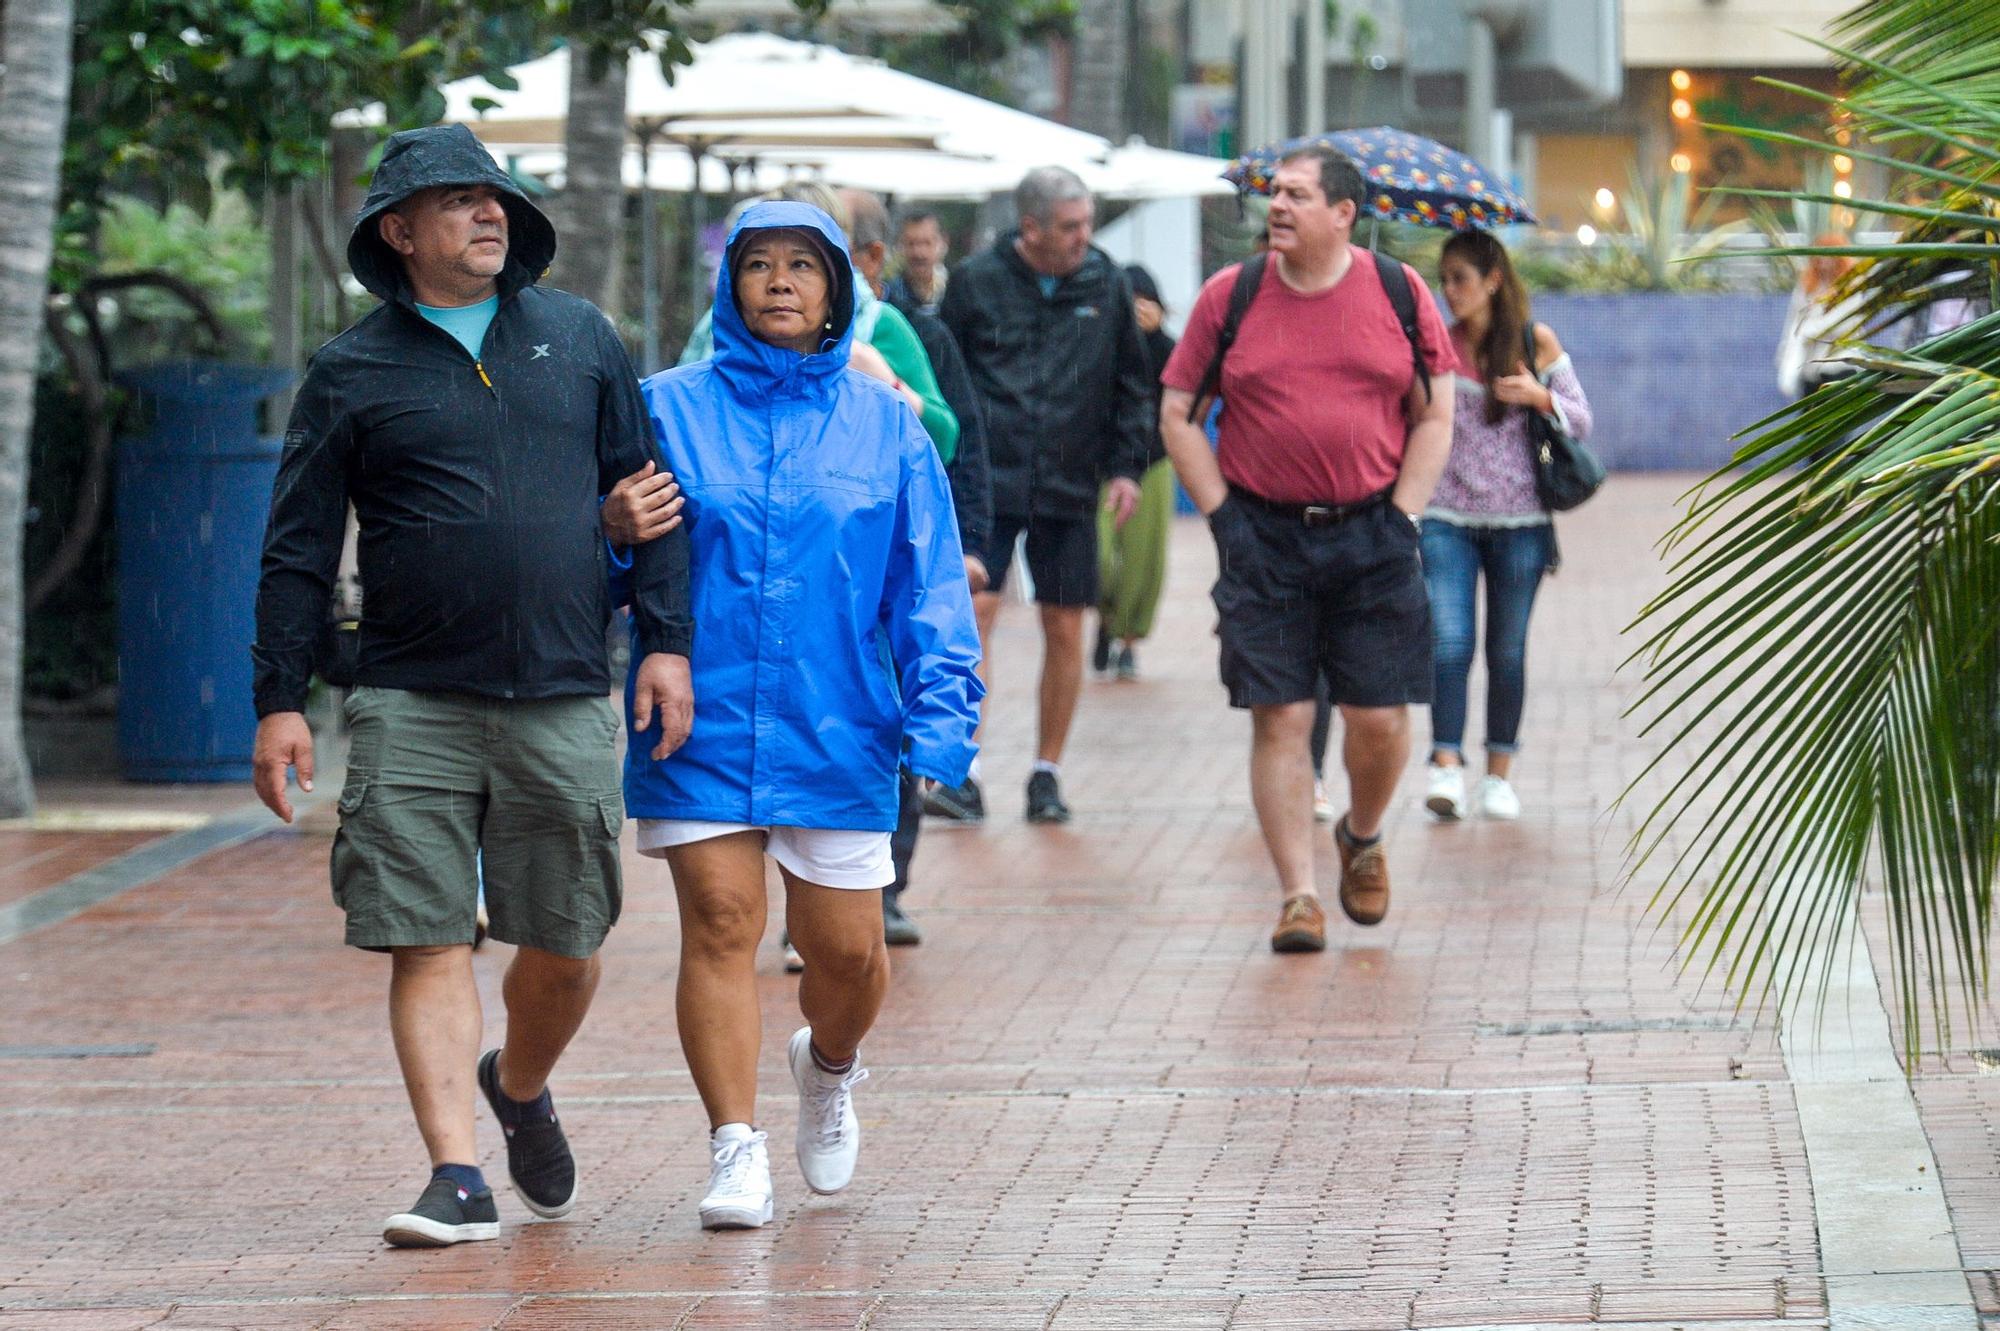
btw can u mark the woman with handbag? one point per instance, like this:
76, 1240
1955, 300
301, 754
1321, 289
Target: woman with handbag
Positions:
1489, 516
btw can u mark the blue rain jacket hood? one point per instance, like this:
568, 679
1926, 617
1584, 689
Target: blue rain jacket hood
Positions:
836, 634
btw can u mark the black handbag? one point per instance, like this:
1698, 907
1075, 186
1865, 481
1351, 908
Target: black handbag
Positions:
1566, 472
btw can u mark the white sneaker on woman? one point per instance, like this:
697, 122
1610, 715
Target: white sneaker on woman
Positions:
1497, 800
739, 1180
829, 1130
1445, 795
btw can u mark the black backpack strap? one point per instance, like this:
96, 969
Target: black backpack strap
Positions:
1397, 283
1248, 278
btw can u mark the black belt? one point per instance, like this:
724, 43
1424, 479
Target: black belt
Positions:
1310, 515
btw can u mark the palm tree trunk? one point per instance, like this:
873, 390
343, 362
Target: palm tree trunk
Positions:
593, 199
34, 100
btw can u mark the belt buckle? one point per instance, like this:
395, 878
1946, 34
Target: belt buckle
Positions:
1317, 515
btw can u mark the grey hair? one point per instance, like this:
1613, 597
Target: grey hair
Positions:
1043, 188
792, 191
818, 195
868, 220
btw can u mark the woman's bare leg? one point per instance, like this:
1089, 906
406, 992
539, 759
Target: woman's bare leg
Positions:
720, 886
839, 933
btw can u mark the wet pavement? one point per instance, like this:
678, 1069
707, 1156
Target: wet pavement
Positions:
1098, 1099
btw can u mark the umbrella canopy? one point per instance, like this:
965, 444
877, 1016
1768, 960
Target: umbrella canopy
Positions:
1410, 178
1130, 173
742, 77
785, 109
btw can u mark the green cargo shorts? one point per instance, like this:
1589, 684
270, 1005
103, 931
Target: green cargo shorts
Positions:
443, 785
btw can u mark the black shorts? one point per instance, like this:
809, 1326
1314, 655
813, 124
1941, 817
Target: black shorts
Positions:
1062, 557
1345, 600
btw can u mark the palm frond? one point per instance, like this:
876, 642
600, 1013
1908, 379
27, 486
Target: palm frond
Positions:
1826, 664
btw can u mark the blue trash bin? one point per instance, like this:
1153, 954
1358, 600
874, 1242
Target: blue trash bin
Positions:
193, 494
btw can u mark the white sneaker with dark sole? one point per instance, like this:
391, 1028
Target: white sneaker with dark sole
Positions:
1444, 794
444, 1215
829, 1140
739, 1180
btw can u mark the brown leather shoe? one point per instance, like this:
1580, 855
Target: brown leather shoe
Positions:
1364, 878
1301, 926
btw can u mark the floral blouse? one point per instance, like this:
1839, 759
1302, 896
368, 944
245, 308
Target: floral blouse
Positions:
1489, 482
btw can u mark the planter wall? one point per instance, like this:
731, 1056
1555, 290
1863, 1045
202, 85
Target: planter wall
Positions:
1671, 376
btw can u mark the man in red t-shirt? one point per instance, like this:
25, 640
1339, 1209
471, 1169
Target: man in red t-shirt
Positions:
1329, 448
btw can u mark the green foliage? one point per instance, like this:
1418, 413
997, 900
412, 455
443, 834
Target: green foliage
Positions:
972, 58
1666, 232
1805, 215
175, 96
1730, 108
1825, 662
164, 87
1418, 246
222, 254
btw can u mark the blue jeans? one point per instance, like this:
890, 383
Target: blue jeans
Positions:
1513, 560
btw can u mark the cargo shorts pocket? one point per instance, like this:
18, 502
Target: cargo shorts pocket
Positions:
552, 874
351, 851
611, 813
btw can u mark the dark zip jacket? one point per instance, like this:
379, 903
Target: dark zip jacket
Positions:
1062, 379
969, 470
476, 479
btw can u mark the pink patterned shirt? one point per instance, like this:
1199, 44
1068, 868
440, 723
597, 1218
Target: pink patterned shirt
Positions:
1488, 482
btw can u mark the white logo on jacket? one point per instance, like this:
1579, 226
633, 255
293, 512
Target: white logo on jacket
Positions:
540, 351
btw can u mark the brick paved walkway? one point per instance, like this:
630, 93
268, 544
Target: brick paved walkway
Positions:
1099, 1100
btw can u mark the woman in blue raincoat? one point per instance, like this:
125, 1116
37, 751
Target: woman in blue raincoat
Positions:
834, 641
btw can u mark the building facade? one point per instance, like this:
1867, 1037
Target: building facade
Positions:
1584, 94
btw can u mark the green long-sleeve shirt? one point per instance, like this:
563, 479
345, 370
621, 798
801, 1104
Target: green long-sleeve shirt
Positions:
898, 343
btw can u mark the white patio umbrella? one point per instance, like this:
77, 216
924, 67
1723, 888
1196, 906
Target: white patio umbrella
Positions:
781, 109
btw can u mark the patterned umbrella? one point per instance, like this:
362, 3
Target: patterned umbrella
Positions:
1410, 179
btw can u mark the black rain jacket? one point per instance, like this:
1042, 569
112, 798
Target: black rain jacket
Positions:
477, 480
1062, 379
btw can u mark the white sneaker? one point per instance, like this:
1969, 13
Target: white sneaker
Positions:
1322, 806
829, 1130
1497, 800
739, 1180
1445, 795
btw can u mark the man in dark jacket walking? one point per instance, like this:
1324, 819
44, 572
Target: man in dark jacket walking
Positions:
1044, 321
474, 420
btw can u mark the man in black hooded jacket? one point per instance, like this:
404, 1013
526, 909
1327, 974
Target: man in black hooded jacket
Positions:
1044, 322
474, 420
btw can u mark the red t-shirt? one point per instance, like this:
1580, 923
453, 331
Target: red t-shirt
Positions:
1314, 390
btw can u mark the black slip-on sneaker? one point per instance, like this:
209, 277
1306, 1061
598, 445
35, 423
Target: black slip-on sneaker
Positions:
963, 803
539, 1164
444, 1215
